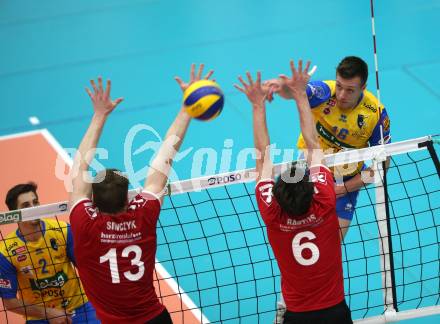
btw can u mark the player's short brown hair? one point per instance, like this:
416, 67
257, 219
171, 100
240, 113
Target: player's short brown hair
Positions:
110, 190
17, 190
351, 67
294, 197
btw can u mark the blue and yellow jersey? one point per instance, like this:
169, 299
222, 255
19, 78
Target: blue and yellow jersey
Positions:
41, 272
341, 129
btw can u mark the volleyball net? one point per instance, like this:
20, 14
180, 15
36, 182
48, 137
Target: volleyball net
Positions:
215, 265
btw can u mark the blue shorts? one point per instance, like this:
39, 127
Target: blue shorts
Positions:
346, 205
85, 314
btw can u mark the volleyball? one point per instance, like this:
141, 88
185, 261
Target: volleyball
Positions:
203, 100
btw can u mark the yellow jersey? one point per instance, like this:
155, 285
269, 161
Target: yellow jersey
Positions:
41, 271
340, 129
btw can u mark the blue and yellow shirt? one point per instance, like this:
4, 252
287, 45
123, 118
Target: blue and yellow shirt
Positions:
41, 271
341, 129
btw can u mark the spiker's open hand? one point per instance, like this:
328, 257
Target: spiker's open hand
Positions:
297, 83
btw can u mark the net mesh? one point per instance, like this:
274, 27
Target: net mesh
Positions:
414, 201
213, 245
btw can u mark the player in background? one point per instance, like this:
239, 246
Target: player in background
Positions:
347, 116
299, 210
36, 260
115, 242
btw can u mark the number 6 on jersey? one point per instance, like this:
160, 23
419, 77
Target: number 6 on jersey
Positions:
298, 248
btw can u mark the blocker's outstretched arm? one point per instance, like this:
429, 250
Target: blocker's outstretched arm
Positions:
257, 97
295, 86
157, 176
103, 105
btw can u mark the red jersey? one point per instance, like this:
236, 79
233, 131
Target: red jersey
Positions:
115, 256
308, 249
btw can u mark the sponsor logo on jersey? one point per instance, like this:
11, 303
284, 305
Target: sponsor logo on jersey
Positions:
54, 244
343, 118
361, 121
20, 250
331, 102
386, 124
9, 218
370, 107
5, 283
121, 238
52, 293
38, 251
27, 269
306, 220
60, 257
139, 202
329, 137
326, 111
91, 211
21, 257
320, 177
360, 133
266, 193
318, 91
58, 229
11, 246
56, 281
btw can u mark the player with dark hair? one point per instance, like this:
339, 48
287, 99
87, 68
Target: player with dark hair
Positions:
303, 233
110, 192
36, 260
115, 240
294, 197
351, 67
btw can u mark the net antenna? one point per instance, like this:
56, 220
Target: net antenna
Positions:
376, 62
376, 65
382, 209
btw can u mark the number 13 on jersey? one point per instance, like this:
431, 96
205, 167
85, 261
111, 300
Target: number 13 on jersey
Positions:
112, 258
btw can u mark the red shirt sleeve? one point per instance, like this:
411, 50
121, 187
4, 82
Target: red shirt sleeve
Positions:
325, 196
146, 204
82, 217
82, 211
267, 204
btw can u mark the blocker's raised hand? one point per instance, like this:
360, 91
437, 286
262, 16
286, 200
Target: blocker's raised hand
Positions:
102, 103
253, 90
